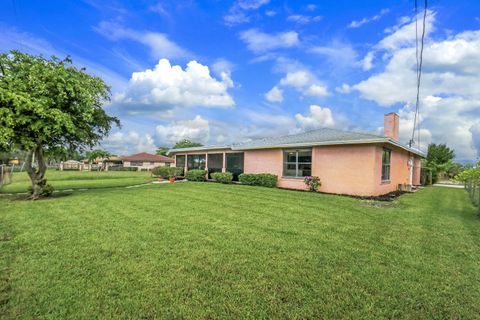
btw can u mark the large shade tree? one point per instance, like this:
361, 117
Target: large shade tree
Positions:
46, 104
186, 144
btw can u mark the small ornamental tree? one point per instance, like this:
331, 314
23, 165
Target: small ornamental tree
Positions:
47, 104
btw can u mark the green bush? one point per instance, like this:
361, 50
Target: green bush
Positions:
196, 175
47, 190
259, 179
222, 177
167, 172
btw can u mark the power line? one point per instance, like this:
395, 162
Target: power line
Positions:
419, 59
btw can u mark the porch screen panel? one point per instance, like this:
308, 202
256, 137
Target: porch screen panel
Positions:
235, 164
215, 163
180, 162
196, 161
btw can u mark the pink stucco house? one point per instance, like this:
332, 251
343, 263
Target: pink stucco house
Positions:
349, 163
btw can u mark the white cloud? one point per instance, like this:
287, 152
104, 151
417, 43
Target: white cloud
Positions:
297, 79
12, 39
166, 87
197, 129
274, 95
251, 4
159, 44
367, 62
259, 42
238, 12
404, 36
128, 143
318, 117
359, 23
339, 54
450, 98
270, 13
317, 90
305, 82
475, 131
344, 88
303, 19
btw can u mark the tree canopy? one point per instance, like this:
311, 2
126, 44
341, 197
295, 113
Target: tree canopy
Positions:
439, 153
97, 153
162, 151
186, 144
49, 103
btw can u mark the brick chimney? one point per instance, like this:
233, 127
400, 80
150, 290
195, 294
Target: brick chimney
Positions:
390, 125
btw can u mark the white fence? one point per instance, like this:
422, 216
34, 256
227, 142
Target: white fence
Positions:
6, 173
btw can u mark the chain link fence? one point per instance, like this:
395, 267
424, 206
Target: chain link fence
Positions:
473, 188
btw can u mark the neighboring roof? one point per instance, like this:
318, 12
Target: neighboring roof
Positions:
100, 159
320, 137
72, 162
143, 156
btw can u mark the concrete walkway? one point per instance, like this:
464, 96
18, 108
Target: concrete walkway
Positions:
98, 188
449, 185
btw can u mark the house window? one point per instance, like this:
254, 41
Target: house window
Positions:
196, 161
297, 163
387, 153
136, 163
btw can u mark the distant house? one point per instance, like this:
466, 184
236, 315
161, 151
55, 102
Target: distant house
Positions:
347, 162
145, 161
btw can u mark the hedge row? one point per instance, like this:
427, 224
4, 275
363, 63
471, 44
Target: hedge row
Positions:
196, 175
167, 172
259, 179
222, 177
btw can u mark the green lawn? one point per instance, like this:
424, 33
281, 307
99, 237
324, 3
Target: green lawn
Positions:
204, 250
80, 179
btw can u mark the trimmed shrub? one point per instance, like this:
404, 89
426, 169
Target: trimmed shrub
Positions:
167, 172
222, 177
259, 179
312, 182
196, 175
47, 190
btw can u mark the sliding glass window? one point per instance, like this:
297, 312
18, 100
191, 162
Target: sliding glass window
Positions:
297, 163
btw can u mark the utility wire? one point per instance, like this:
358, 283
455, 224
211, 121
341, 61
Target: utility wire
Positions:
419, 58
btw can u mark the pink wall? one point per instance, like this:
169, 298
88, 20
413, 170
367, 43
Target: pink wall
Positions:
399, 170
343, 169
270, 161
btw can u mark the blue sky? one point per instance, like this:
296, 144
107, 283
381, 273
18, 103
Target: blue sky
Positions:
228, 71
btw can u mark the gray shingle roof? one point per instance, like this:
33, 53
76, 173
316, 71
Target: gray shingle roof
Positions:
324, 136
320, 136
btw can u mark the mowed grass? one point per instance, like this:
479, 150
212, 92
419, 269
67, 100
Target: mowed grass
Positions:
79, 179
204, 250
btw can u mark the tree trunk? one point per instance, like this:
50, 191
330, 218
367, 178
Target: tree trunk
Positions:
37, 175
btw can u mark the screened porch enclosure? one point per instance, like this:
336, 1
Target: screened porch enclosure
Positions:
235, 164
215, 163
